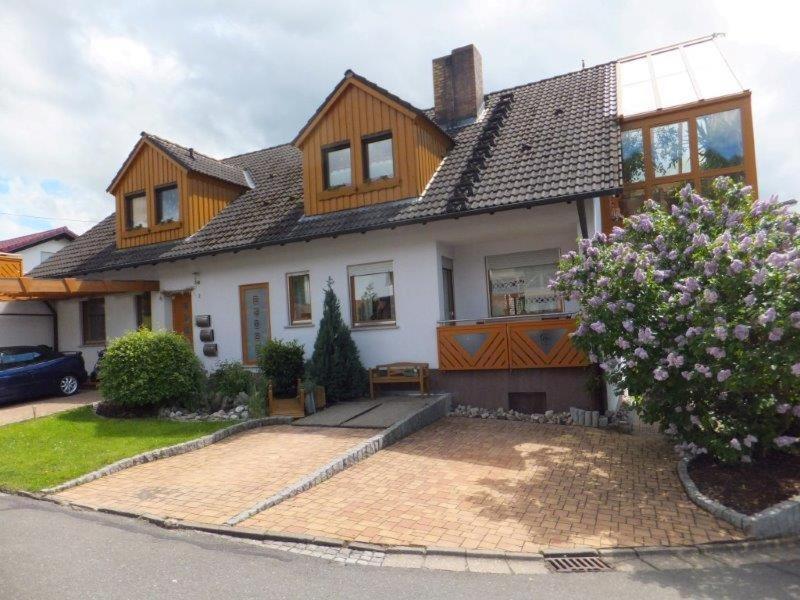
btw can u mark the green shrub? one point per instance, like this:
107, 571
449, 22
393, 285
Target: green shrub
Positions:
150, 368
282, 363
230, 379
335, 364
257, 402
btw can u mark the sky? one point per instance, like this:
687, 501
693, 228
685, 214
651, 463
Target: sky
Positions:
80, 80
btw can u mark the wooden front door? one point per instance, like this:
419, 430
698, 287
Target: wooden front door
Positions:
182, 315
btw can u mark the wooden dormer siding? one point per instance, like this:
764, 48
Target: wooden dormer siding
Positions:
357, 110
148, 169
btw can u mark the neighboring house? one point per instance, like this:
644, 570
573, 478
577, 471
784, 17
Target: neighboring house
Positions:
26, 323
439, 228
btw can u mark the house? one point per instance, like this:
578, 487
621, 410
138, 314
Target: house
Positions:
438, 228
29, 322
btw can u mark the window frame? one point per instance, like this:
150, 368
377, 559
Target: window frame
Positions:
351, 287
326, 150
139, 306
365, 142
695, 176
157, 205
128, 213
290, 304
84, 307
510, 257
243, 318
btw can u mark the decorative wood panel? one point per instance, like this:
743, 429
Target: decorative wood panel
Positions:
473, 347
536, 344
510, 345
201, 198
355, 111
10, 265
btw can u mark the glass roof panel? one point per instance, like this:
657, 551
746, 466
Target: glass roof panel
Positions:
681, 74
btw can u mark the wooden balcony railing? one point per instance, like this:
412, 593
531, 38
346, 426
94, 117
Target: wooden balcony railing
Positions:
508, 344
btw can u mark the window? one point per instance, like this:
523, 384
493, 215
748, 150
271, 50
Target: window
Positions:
167, 204
518, 283
15, 357
372, 294
378, 157
254, 313
670, 149
93, 320
299, 298
43, 256
719, 140
143, 311
448, 291
632, 156
136, 211
336, 166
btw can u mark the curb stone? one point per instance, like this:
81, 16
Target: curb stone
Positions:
167, 451
779, 520
412, 423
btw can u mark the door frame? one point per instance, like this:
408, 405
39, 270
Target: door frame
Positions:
243, 317
173, 296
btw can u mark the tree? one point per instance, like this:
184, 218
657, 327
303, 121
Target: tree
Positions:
694, 309
335, 363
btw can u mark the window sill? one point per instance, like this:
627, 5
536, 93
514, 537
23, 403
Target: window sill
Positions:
336, 192
355, 328
378, 184
299, 325
167, 226
93, 344
131, 233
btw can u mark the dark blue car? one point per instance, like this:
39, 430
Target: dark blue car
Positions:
31, 371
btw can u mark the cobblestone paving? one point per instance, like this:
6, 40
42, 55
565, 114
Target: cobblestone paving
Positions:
505, 485
43, 407
217, 482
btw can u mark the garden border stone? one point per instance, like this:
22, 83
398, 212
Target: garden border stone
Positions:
167, 451
439, 407
782, 519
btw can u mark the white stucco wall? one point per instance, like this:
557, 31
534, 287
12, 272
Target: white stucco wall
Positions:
32, 257
416, 252
25, 324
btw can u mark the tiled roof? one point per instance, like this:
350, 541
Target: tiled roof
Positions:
191, 160
26, 241
542, 142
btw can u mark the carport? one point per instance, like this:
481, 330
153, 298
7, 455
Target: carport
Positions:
47, 291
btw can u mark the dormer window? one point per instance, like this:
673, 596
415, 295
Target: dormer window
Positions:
337, 166
136, 211
167, 204
378, 157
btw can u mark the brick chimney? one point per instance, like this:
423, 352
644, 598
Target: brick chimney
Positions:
458, 85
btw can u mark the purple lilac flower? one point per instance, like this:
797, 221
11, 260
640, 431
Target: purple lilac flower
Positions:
795, 317
749, 440
687, 375
723, 375
749, 300
630, 306
796, 410
721, 332
675, 360
734, 443
785, 440
628, 325
645, 336
796, 369
692, 285
710, 296
685, 299
710, 268
782, 408
671, 430
640, 353
760, 277
660, 374
741, 332
767, 317
736, 266
623, 343
778, 260
695, 420
716, 352
776, 334
703, 370
598, 327
638, 276
643, 223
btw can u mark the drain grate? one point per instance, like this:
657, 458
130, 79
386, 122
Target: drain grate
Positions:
576, 563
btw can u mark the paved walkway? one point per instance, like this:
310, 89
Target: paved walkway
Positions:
41, 407
505, 485
217, 482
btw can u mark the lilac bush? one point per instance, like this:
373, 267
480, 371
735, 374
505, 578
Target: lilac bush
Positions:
695, 309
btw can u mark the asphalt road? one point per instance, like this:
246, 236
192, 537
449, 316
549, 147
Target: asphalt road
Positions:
47, 551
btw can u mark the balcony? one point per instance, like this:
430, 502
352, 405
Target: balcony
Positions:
525, 342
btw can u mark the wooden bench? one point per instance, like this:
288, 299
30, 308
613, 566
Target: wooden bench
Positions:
399, 372
294, 407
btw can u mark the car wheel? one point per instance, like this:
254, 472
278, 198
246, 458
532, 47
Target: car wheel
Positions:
68, 385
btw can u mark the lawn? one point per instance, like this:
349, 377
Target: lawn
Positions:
45, 452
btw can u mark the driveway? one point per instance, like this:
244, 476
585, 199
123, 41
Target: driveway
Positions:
504, 485
217, 482
41, 407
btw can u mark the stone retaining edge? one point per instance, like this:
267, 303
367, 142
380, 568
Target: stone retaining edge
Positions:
783, 519
167, 451
414, 422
